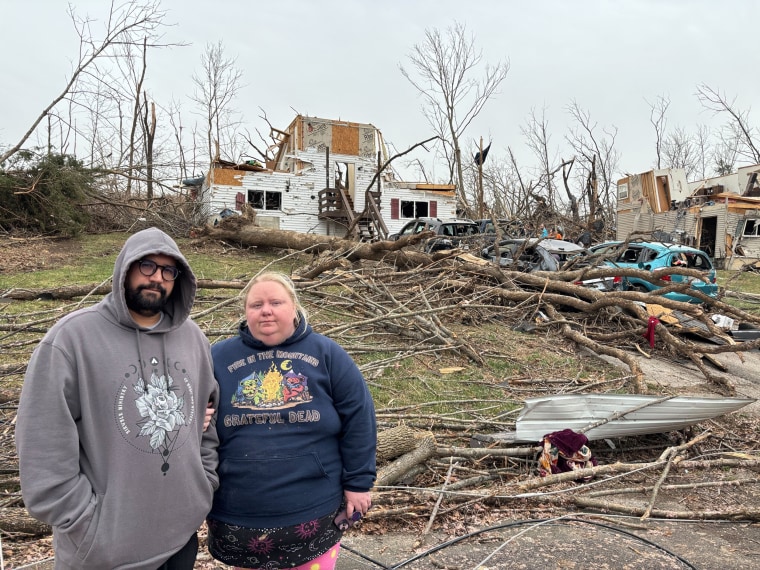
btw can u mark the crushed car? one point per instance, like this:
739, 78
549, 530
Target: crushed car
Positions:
649, 255
536, 254
450, 233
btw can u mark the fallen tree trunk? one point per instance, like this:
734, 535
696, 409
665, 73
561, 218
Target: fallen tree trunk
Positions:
397, 441
73, 291
15, 520
395, 471
737, 513
240, 231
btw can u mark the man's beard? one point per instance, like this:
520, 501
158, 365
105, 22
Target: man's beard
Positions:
146, 305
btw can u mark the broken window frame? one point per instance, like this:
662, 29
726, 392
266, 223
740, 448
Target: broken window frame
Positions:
266, 200
410, 209
751, 228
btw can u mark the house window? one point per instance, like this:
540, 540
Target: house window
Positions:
751, 228
263, 200
622, 191
412, 210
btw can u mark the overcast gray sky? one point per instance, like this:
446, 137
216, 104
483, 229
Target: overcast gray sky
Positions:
340, 59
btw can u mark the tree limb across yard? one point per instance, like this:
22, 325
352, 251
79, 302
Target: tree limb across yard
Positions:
409, 309
397, 288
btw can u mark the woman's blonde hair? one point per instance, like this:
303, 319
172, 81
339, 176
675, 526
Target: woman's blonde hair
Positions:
286, 283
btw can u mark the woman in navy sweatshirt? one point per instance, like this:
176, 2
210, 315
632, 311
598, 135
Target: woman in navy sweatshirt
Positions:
297, 432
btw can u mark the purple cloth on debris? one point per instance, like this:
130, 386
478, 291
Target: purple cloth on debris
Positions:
567, 441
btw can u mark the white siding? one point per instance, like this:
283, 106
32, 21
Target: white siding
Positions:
749, 245
736, 182
300, 194
635, 215
445, 204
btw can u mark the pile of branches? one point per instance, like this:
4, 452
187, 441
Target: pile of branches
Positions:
399, 289
392, 288
428, 466
112, 211
398, 301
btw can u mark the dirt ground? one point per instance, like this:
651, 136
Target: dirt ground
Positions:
34, 253
558, 538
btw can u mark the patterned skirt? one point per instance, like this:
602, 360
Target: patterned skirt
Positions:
272, 548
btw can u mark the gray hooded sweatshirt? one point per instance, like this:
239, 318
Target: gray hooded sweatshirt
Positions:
110, 426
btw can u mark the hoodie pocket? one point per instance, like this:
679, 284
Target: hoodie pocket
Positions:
275, 485
81, 534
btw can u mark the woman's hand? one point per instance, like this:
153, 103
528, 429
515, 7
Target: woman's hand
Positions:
357, 502
209, 414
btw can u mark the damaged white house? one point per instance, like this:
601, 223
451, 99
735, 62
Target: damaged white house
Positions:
323, 180
719, 215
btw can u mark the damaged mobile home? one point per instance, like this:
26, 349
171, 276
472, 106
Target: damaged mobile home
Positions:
322, 180
719, 215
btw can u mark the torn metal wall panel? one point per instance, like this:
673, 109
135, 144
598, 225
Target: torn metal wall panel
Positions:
617, 415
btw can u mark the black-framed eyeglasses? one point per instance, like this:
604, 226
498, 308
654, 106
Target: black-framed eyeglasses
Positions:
149, 267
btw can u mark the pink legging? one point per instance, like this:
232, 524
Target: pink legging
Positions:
325, 562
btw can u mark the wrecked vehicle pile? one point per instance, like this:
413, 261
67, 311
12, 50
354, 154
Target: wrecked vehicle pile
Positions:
534, 254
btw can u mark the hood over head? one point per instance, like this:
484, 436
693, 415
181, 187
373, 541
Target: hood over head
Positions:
153, 241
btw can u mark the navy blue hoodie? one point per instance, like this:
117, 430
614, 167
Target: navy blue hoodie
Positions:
296, 426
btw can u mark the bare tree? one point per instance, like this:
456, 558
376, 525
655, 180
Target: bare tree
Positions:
444, 67
726, 152
503, 193
128, 23
598, 170
215, 89
703, 150
677, 148
174, 113
679, 151
148, 123
746, 137
139, 79
267, 146
538, 140
658, 117
518, 192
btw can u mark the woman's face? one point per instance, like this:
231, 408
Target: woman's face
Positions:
270, 313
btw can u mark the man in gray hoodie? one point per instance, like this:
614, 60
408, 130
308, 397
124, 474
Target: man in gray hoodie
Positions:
110, 436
